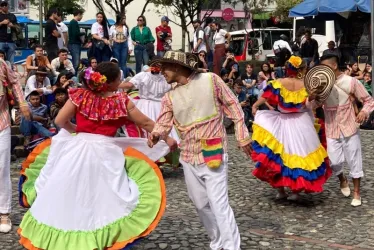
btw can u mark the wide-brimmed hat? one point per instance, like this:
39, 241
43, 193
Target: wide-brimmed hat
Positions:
187, 60
321, 79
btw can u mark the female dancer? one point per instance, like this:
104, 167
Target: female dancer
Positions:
285, 144
92, 191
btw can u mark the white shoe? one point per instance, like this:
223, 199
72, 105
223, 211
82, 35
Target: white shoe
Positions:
346, 191
356, 202
5, 228
293, 197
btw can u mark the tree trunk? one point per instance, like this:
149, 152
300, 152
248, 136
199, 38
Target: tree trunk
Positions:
183, 39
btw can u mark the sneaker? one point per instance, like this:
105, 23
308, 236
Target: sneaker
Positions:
356, 202
5, 224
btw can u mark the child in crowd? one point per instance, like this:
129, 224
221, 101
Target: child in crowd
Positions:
61, 96
39, 124
367, 82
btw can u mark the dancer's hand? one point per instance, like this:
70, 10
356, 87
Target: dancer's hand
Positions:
153, 139
173, 144
247, 149
361, 117
25, 111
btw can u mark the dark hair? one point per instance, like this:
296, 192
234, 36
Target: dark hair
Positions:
307, 32
269, 70
78, 12
219, 26
63, 73
34, 93
62, 51
52, 11
119, 19
2, 52
110, 70
238, 82
208, 20
249, 64
90, 59
42, 69
144, 20
333, 57
36, 46
104, 24
368, 73
60, 91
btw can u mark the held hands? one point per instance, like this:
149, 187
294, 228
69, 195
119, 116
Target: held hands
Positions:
153, 139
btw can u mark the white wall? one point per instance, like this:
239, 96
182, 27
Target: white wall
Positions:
133, 10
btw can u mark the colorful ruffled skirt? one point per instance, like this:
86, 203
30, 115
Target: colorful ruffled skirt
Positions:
90, 192
288, 152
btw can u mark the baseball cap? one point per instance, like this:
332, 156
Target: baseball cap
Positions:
113, 59
165, 18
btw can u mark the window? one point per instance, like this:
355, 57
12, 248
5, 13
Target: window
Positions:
237, 44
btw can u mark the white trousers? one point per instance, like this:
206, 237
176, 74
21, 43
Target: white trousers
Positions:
346, 149
5, 183
207, 188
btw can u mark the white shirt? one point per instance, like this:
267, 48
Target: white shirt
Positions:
97, 29
150, 86
62, 29
56, 64
219, 36
113, 33
32, 85
201, 35
280, 44
209, 35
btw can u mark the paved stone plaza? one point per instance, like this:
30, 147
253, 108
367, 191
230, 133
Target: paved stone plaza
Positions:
321, 221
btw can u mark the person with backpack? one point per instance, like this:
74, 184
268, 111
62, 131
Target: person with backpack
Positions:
199, 39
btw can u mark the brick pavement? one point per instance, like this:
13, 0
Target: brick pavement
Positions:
317, 221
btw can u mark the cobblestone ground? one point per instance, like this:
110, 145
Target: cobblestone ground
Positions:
321, 221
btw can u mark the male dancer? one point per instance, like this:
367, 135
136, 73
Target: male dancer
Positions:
7, 80
343, 137
196, 106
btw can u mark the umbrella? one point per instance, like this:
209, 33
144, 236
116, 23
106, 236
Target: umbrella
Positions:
314, 7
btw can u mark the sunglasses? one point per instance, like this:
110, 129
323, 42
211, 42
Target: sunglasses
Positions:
203, 55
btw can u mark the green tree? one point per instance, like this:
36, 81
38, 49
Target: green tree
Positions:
283, 8
65, 6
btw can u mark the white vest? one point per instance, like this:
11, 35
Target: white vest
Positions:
340, 92
194, 102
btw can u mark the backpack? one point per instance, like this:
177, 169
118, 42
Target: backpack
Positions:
204, 39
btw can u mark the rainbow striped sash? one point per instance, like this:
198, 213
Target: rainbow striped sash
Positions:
212, 150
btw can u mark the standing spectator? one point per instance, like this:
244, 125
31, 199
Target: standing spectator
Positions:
221, 40
354, 71
332, 50
141, 35
40, 120
63, 30
249, 80
8, 23
231, 65
209, 42
101, 42
51, 34
5, 141
39, 82
122, 45
75, 42
309, 49
62, 63
199, 43
283, 52
36, 60
164, 35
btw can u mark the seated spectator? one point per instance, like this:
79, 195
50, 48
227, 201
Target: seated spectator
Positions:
61, 96
355, 71
39, 124
115, 61
367, 82
225, 76
64, 80
368, 68
242, 99
203, 66
40, 83
249, 80
37, 59
231, 65
332, 50
62, 63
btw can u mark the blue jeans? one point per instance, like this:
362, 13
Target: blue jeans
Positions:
141, 57
121, 52
75, 51
10, 51
29, 128
160, 53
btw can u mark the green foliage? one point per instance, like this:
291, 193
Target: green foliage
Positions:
65, 6
283, 8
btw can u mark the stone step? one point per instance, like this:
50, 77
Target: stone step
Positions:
15, 130
20, 152
17, 140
